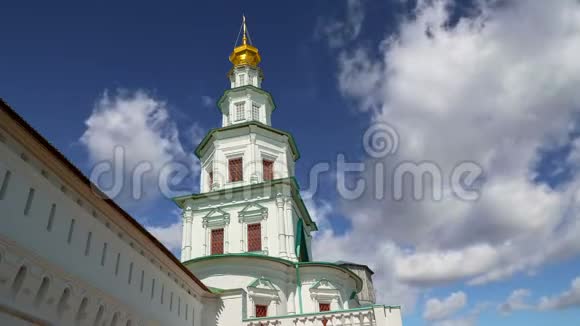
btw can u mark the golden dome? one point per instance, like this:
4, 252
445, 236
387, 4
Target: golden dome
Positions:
245, 54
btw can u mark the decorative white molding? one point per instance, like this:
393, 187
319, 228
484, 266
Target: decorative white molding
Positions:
252, 213
187, 213
215, 218
325, 291
261, 291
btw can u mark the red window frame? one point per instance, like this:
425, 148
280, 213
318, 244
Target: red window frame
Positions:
217, 241
235, 169
254, 237
261, 310
268, 169
323, 307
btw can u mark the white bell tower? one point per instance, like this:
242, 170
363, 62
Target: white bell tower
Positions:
249, 201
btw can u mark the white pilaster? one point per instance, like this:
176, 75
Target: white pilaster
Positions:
291, 300
290, 228
264, 226
226, 239
243, 234
187, 228
281, 225
284, 163
205, 244
253, 161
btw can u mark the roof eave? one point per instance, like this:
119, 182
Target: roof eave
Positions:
291, 141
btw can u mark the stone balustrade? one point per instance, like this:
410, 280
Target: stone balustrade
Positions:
376, 315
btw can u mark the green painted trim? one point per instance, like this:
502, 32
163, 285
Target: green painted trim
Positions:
299, 239
358, 280
243, 254
295, 192
216, 290
386, 306
352, 295
300, 203
321, 313
209, 135
282, 261
245, 88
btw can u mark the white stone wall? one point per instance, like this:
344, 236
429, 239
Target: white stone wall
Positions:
251, 77
252, 148
51, 233
239, 272
336, 292
278, 227
246, 96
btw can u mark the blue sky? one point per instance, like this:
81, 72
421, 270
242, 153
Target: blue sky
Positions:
492, 82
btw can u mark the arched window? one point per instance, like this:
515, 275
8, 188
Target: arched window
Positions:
18, 280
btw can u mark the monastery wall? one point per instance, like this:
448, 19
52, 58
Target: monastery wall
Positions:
67, 258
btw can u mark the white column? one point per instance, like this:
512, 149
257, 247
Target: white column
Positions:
290, 228
183, 241
264, 226
219, 167
291, 303
252, 312
226, 239
242, 237
284, 165
281, 226
253, 166
186, 241
206, 235
203, 181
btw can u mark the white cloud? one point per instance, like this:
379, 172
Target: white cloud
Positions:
428, 267
339, 32
568, 299
455, 322
329, 246
437, 309
496, 88
520, 300
134, 132
320, 211
169, 235
516, 301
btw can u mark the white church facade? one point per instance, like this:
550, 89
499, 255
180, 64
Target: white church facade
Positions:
71, 256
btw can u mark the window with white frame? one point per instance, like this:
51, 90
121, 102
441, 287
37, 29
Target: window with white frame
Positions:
326, 295
255, 111
235, 169
209, 180
254, 237
242, 79
240, 111
264, 297
217, 241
